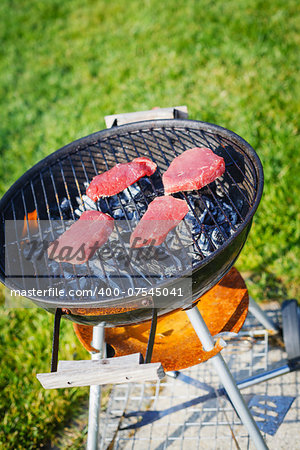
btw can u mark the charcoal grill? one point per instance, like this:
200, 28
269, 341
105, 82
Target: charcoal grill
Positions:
54, 190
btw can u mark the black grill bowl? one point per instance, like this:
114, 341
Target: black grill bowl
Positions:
63, 174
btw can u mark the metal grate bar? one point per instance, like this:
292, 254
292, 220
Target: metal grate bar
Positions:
241, 192
127, 220
47, 204
125, 214
112, 252
188, 201
38, 220
50, 221
82, 202
165, 149
144, 196
185, 222
118, 195
217, 181
28, 232
128, 189
155, 190
61, 215
100, 259
138, 183
250, 184
61, 219
66, 188
228, 173
76, 276
216, 200
203, 203
219, 140
18, 241
200, 195
153, 186
6, 260
75, 179
57, 199
187, 137
88, 181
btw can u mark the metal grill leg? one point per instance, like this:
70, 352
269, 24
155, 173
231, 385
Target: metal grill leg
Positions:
226, 378
261, 316
95, 392
55, 341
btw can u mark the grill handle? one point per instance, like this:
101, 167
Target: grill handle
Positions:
175, 112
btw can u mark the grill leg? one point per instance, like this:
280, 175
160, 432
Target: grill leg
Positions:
261, 316
95, 392
226, 378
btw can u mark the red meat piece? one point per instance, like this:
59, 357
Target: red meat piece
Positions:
192, 170
79, 243
163, 214
119, 178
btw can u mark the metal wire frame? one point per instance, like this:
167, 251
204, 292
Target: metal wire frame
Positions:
189, 421
72, 170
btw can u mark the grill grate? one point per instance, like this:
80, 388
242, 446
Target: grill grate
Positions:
53, 188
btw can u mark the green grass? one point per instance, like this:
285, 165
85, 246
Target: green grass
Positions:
64, 65
29, 414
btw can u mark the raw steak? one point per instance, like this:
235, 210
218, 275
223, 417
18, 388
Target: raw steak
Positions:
119, 178
162, 215
192, 170
79, 243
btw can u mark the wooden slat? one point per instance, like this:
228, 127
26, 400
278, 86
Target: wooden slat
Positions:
178, 112
128, 360
101, 375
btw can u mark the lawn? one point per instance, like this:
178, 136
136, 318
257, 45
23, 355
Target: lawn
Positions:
64, 65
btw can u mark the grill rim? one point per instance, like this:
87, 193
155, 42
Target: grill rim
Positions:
82, 143
86, 141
